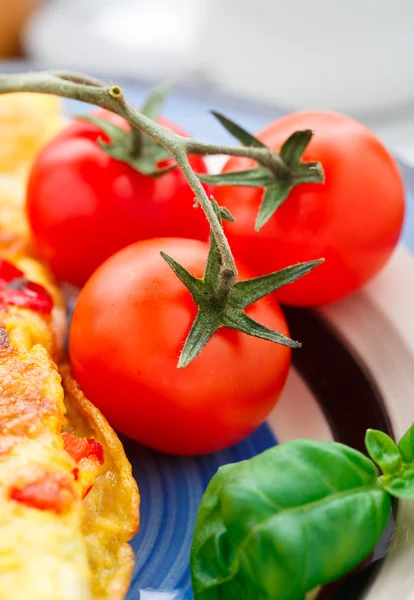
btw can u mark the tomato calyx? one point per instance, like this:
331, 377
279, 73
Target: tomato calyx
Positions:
221, 306
133, 146
278, 174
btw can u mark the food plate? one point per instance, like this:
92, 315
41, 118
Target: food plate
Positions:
356, 370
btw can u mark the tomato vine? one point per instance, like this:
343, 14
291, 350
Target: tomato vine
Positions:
277, 172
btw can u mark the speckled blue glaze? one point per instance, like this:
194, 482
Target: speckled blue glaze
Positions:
171, 489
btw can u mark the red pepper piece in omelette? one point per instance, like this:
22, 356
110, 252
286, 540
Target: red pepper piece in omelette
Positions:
52, 491
80, 447
17, 290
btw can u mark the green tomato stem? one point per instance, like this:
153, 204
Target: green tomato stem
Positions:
87, 89
263, 156
82, 87
229, 269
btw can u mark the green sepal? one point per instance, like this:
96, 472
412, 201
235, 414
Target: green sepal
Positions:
144, 164
225, 214
115, 134
203, 328
234, 318
250, 290
217, 309
292, 150
193, 284
155, 100
307, 172
251, 178
281, 174
134, 147
273, 197
244, 137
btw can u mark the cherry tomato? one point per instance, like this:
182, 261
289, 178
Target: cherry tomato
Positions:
354, 220
84, 205
129, 326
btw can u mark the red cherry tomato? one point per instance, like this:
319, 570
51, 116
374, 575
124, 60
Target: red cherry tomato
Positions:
129, 326
354, 220
84, 205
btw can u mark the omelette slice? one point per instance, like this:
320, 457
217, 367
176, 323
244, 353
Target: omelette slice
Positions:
68, 501
42, 548
27, 122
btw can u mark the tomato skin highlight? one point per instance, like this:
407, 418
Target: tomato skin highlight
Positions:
128, 328
353, 220
84, 205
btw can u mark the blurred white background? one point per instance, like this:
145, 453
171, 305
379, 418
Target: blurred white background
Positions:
355, 56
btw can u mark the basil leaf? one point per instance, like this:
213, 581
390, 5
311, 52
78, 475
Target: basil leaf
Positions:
406, 446
383, 450
400, 485
396, 462
275, 526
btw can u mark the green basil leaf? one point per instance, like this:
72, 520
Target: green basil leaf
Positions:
400, 485
276, 526
383, 450
397, 462
406, 446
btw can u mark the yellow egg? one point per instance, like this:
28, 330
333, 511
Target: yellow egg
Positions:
27, 122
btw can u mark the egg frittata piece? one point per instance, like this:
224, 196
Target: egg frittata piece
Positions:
68, 501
